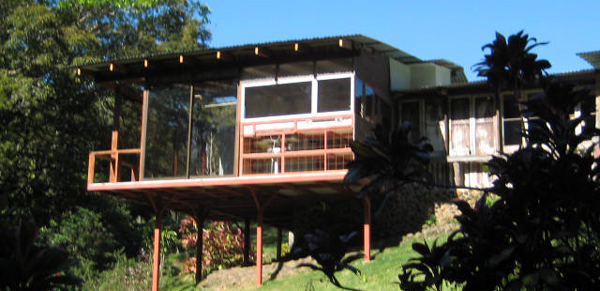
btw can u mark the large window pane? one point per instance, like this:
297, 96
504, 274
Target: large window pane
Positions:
513, 124
433, 120
484, 126
410, 112
213, 129
167, 130
460, 136
276, 100
334, 95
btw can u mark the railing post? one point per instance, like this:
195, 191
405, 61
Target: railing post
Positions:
91, 167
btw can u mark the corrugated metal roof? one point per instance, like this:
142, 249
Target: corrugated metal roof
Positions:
591, 57
576, 75
361, 39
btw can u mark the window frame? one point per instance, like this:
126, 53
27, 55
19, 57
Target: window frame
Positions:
297, 79
472, 123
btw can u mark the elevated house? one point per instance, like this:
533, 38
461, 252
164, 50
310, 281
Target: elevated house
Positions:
253, 131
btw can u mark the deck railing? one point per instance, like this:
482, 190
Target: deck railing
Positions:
306, 144
116, 164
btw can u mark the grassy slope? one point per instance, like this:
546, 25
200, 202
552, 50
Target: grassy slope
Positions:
380, 274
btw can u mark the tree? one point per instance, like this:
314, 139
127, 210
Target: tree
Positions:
51, 119
388, 161
510, 64
542, 233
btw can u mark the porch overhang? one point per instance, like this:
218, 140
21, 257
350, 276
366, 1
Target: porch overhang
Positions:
234, 198
226, 62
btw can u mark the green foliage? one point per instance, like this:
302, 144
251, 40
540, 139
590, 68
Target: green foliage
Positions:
428, 271
543, 230
329, 250
511, 63
26, 266
223, 245
51, 119
388, 161
82, 233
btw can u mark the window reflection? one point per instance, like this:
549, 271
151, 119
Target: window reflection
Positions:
213, 134
274, 100
166, 131
213, 111
334, 95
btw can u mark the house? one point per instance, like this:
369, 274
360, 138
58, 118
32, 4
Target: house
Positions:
467, 123
251, 131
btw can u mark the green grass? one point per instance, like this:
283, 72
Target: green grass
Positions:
380, 274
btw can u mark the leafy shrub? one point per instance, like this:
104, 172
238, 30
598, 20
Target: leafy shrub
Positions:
24, 265
543, 230
83, 235
223, 245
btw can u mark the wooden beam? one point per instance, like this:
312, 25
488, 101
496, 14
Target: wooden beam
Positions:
301, 48
345, 44
224, 56
263, 52
117, 68
199, 216
246, 241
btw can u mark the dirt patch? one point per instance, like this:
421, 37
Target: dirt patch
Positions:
245, 277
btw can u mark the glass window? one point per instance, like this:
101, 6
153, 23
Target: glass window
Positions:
410, 112
484, 126
460, 130
167, 131
334, 95
433, 120
369, 96
213, 130
512, 122
275, 100
358, 93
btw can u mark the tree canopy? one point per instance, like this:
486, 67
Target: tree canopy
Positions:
51, 119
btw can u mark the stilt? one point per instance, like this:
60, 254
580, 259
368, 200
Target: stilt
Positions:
278, 244
367, 230
156, 261
199, 247
259, 247
247, 242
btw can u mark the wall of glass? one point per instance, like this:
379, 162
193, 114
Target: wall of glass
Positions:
166, 131
213, 129
212, 106
332, 95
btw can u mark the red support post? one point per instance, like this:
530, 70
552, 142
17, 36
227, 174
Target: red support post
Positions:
156, 261
367, 230
259, 247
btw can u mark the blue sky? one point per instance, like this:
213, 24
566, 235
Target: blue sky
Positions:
427, 29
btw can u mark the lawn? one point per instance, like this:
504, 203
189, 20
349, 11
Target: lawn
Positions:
379, 274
